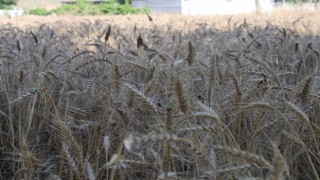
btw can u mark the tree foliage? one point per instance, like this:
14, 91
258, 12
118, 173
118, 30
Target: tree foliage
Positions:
124, 1
7, 3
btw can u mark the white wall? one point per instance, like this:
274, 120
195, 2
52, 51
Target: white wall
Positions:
267, 5
210, 7
12, 13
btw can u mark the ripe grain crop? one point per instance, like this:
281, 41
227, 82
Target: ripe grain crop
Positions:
126, 97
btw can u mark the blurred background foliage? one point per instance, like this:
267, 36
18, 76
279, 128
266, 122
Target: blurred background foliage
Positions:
5, 4
83, 7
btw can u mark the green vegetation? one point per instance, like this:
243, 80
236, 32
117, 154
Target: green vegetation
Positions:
68, 8
82, 7
39, 12
5, 4
121, 9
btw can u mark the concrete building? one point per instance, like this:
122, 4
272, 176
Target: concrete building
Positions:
205, 7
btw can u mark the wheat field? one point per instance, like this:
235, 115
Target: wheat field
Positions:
164, 97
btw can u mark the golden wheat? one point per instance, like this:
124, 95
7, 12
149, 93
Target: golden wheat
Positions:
160, 97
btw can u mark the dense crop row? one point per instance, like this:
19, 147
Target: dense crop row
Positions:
101, 100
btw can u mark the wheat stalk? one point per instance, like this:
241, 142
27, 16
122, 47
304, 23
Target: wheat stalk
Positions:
249, 157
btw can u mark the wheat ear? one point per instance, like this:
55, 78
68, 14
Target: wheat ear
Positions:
183, 105
191, 53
